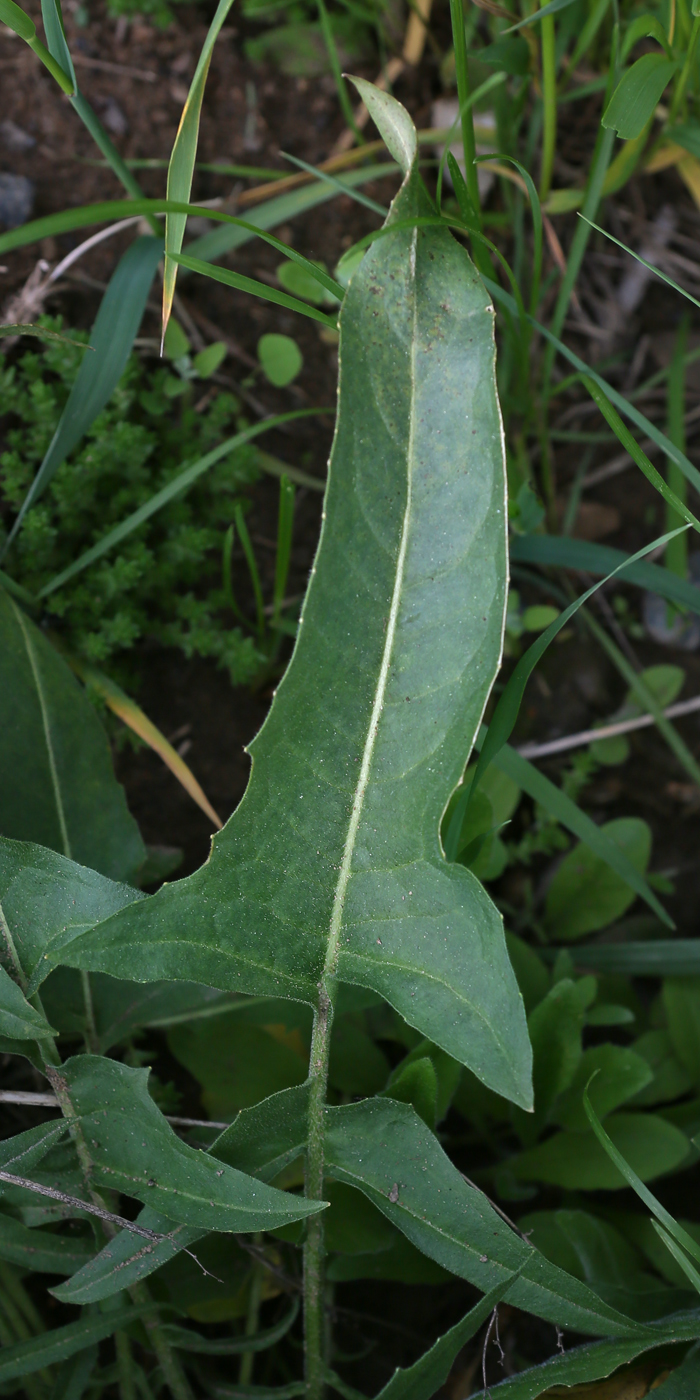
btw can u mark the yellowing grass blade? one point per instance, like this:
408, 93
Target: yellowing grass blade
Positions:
132, 715
182, 160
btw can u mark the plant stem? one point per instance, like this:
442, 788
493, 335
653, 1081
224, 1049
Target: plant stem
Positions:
479, 253
549, 102
125, 1367
314, 1282
686, 71
245, 1375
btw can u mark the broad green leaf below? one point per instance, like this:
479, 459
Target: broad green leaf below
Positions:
333, 860
58, 785
134, 1150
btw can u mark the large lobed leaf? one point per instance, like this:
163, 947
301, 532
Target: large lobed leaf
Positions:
333, 859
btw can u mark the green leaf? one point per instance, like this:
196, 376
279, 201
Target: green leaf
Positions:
681, 999
112, 338
300, 283
127, 1259
644, 27
534, 980
184, 155
16, 20
385, 1150
595, 1361
590, 1249
280, 359
555, 1026
175, 342
620, 1074
56, 37
580, 1163
627, 1171
208, 361
45, 898
42, 1251
635, 98
58, 788
670, 1079
416, 1083
135, 1150
18, 1019
585, 894
379, 706
21, 1154
61, 1342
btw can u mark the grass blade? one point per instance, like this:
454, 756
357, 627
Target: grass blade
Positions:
601, 559
638, 258
575, 820
650, 429
508, 708
631, 445
179, 483
133, 716
662, 1215
253, 287
284, 545
112, 338
184, 154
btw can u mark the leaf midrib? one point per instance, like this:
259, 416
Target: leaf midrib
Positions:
333, 948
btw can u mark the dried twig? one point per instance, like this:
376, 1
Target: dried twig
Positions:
606, 731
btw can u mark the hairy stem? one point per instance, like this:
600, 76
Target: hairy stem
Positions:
314, 1282
252, 1318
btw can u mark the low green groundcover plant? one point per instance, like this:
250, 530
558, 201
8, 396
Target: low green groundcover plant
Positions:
165, 582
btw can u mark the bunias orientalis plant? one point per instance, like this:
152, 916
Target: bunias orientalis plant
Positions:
329, 882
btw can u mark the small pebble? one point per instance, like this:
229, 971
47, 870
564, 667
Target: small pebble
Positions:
16, 199
114, 118
14, 137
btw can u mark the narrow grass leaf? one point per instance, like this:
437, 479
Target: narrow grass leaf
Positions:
631, 445
184, 155
568, 553
181, 482
422, 1380
56, 37
41, 333
253, 287
112, 338
679, 1255
628, 409
649, 1199
505, 716
134, 718
655, 958
575, 820
638, 258
551, 8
